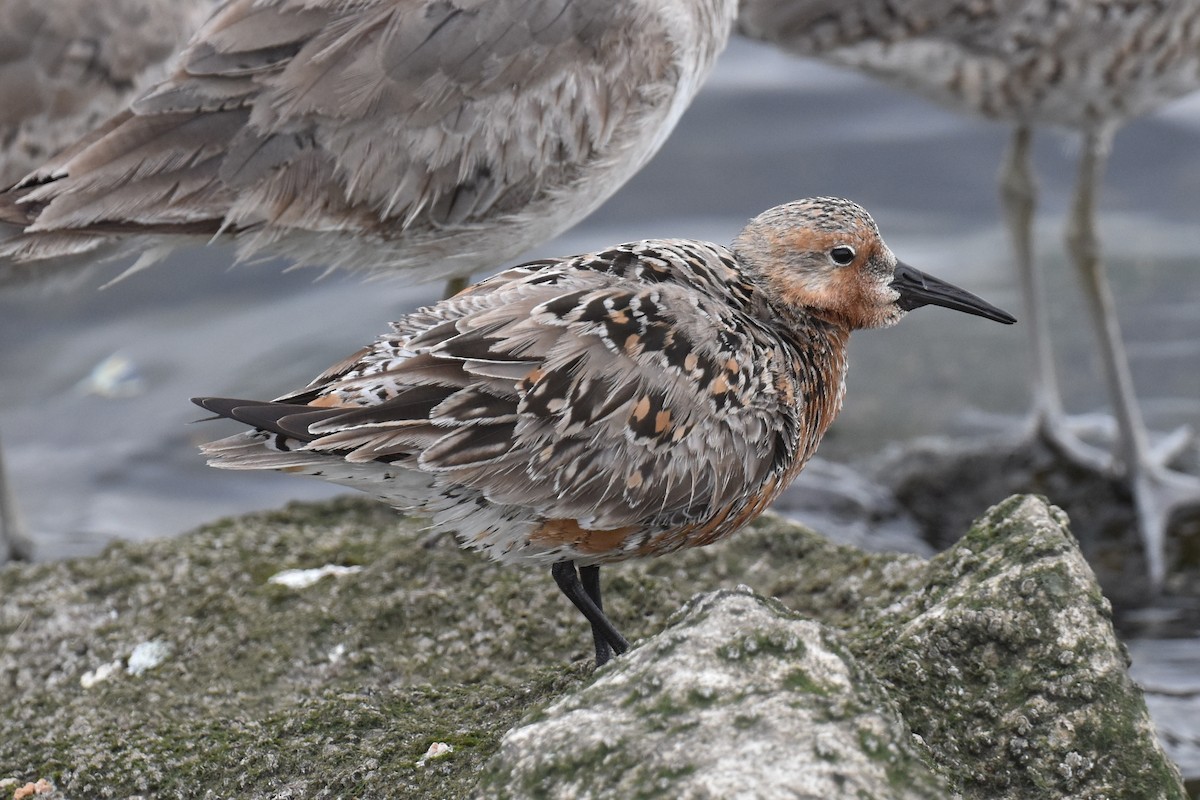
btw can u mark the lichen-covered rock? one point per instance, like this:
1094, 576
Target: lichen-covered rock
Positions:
999, 654
1005, 662
179, 668
738, 697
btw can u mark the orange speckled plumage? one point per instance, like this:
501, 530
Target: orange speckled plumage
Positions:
624, 403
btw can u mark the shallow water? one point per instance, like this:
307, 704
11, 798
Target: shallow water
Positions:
97, 457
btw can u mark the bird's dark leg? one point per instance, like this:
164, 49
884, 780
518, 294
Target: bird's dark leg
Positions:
607, 638
590, 578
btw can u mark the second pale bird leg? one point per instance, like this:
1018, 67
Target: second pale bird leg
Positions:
1157, 490
607, 638
1018, 195
1083, 245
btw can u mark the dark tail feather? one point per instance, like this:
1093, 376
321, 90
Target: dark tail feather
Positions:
288, 419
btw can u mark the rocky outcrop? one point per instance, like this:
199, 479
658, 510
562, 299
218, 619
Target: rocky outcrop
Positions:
395, 666
738, 698
998, 656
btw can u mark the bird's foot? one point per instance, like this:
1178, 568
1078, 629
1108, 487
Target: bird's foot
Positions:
1068, 436
1159, 494
1171, 446
1064, 435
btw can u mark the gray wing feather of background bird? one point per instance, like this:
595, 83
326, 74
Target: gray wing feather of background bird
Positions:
390, 134
65, 68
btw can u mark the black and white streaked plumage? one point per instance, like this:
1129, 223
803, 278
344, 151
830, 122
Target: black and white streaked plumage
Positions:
624, 403
1089, 65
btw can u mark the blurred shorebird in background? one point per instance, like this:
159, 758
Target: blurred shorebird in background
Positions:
1086, 65
427, 138
65, 67
625, 403
424, 138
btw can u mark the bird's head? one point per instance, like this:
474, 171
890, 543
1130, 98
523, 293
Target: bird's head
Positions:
824, 257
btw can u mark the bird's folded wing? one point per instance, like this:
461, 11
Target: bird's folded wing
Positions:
588, 398
360, 116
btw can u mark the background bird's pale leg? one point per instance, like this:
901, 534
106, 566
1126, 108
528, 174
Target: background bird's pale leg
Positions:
568, 582
1018, 195
14, 543
1157, 490
1083, 245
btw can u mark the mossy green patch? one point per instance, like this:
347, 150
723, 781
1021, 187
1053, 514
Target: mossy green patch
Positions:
357, 674
340, 687
745, 722
800, 681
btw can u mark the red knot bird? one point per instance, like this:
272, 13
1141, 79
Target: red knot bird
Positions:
1087, 65
422, 137
625, 403
64, 66
431, 138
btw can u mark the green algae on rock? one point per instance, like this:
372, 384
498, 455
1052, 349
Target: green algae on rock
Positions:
1006, 664
336, 688
739, 697
997, 652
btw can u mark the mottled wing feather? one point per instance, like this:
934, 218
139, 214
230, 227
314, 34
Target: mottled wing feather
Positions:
638, 397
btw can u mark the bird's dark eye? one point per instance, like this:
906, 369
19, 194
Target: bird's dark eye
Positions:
842, 255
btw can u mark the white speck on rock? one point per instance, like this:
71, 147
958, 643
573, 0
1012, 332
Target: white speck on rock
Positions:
336, 654
303, 578
147, 656
436, 750
99, 674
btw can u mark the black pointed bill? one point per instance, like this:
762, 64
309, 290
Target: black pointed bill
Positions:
918, 289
